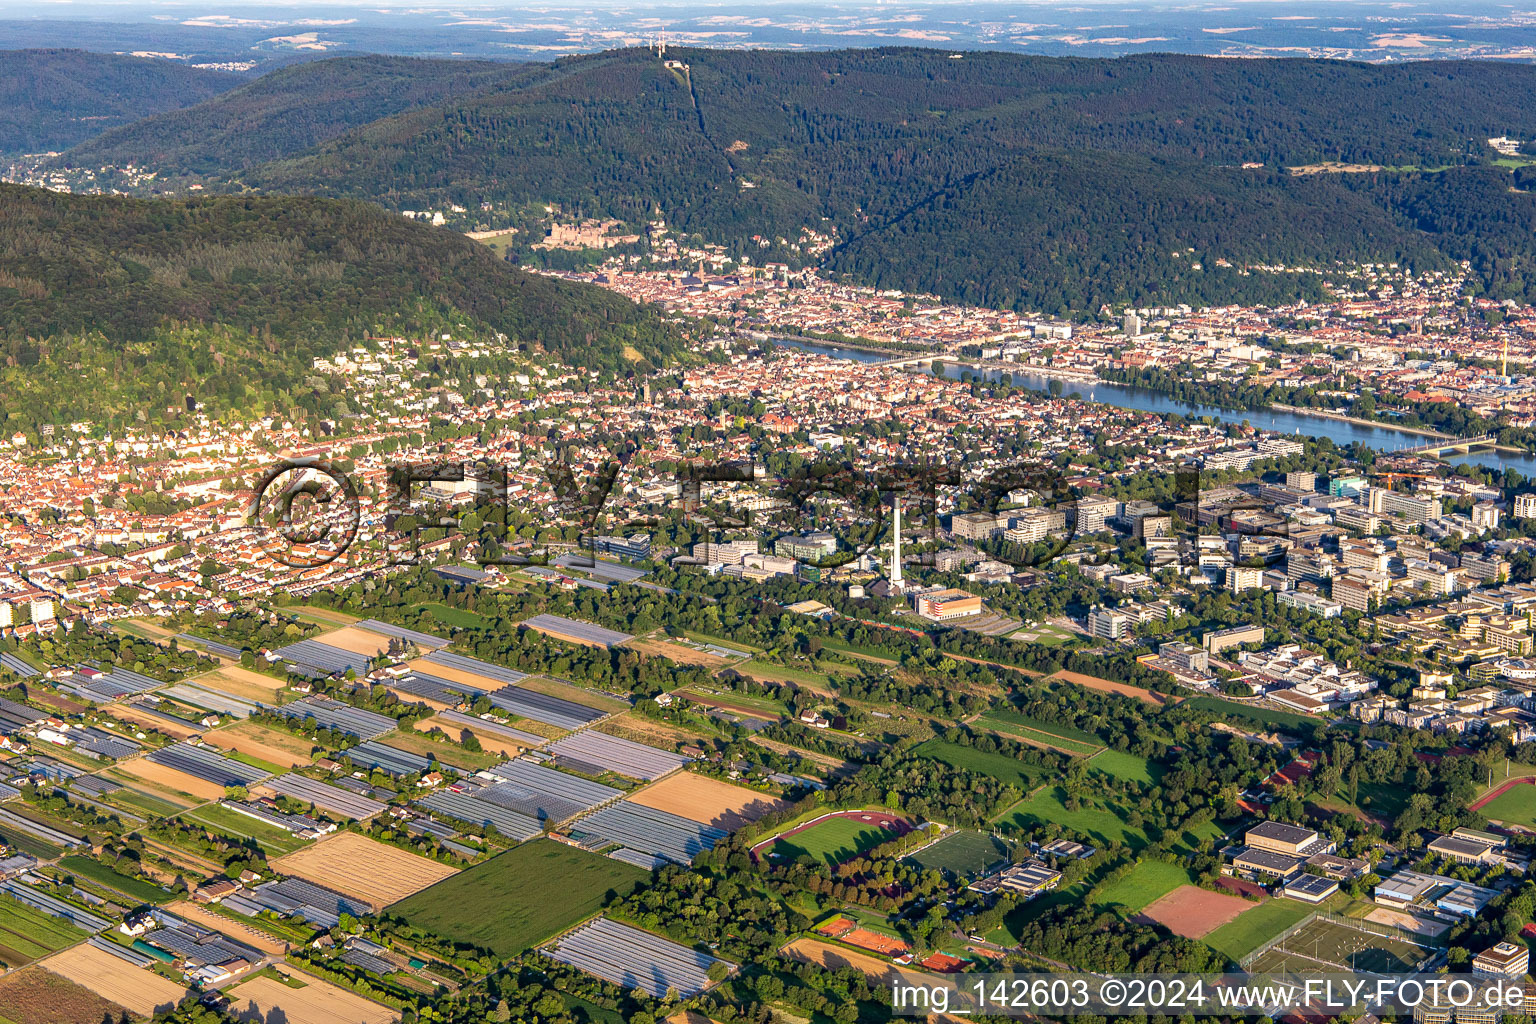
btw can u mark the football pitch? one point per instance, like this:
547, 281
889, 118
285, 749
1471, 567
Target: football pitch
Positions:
963, 854
1320, 943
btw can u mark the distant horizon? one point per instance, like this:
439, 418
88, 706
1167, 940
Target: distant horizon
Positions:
252, 37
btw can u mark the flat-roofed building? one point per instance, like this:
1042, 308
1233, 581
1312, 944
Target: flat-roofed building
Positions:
1462, 851
1503, 960
1292, 840
1236, 636
1249, 862
1309, 888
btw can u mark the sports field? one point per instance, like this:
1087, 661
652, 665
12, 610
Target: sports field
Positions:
1515, 806
1321, 944
1252, 928
518, 899
963, 854
1192, 912
834, 840
1148, 881
998, 766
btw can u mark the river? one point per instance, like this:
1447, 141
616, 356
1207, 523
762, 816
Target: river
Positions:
1125, 396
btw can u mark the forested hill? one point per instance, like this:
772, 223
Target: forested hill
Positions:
1017, 180
286, 112
52, 99
111, 300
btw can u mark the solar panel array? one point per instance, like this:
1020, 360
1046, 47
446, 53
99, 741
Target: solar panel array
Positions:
601, 569
208, 765
328, 798
41, 831
227, 650
368, 962
416, 637
210, 700
54, 906
199, 945
615, 754
106, 688
16, 665
430, 687
545, 793
333, 714
586, 632
467, 808
393, 760
14, 716
634, 959
493, 728
332, 661
103, 744
314, 903
476, 666
648, 861
651, 831
541, 707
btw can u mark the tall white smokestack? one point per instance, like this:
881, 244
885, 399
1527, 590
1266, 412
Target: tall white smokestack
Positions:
896, 542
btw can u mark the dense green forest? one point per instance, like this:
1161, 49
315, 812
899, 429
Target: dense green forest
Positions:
286, 112
52, 99
150, 300
1038, 183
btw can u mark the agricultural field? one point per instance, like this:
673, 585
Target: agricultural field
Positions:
36, 996
1127, 767
274, 841
28, 843
1193, 912
457, 618
574, 694
228, 926
243, 683
879, 972
27, 934
1097, 818
115, 979
834, 839
999, 766
1148, 881
135, 888
446, 751
270, 745
708, 800
1065, 738
505, 905
356, 640
304, 999
166, 782
358, 866
1266, 717
150, 723
963, 854
321, 616
1107, 686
